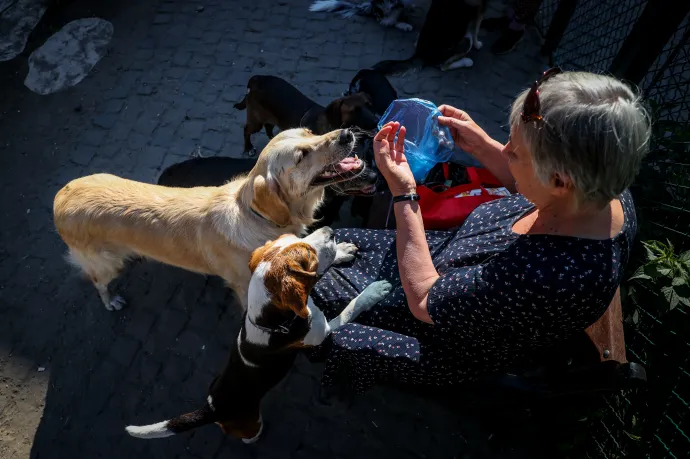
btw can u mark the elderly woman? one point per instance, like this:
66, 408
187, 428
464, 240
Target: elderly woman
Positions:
522, 272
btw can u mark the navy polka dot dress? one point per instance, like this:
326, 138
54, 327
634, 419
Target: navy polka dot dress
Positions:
500, 293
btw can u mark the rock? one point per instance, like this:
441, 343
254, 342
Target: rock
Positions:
68, 56
16, 23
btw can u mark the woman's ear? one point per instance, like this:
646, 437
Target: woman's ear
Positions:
561, 184
267, 200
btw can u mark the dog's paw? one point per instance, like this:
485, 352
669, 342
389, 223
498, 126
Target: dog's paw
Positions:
116, 304
374, 293
478, 44
346, 252
404, 26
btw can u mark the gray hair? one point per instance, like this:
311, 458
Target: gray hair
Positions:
595, 131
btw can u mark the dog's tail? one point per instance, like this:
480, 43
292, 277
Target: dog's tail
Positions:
393, 67
174, 426
241, 105
346, 9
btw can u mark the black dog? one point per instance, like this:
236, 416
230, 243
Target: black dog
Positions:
450, 31
375, 85
271, 101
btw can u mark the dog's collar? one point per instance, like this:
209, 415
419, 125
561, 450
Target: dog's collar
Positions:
265, 218
283, 328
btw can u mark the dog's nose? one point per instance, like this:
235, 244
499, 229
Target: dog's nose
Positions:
346, 137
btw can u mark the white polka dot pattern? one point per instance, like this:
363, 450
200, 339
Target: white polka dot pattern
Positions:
499, 294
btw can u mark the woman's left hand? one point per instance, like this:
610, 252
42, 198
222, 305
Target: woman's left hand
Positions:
391, 161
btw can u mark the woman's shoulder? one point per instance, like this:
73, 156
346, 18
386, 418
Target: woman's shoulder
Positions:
505, 208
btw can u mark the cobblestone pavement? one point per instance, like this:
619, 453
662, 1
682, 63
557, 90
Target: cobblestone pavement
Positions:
72, 374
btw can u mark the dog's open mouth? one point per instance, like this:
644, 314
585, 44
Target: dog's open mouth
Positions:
347, 169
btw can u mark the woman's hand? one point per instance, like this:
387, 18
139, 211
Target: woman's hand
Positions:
466, 133
471, 138
391, 161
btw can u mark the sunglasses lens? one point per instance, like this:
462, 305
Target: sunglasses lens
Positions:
530, 110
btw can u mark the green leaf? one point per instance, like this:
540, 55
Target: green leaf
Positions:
684, 301
677, 281
664, 271
653, 270
685, 258
640, 274
651, 256
671, 296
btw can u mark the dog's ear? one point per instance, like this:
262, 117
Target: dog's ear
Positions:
334, 116
300, 275
267, 200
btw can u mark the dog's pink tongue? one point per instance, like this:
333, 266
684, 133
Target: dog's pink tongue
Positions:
348, 164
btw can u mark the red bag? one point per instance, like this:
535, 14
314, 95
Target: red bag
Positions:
443, 210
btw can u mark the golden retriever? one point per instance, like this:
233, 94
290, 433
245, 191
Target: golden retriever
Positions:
105, 220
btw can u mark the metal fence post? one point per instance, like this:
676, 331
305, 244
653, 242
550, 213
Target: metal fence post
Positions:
559, 22
657, 23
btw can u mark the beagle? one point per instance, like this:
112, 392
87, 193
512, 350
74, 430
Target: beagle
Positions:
281, 319
105, 220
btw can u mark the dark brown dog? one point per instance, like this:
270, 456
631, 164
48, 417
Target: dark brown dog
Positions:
271, 101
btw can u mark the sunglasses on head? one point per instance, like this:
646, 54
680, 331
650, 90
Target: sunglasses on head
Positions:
532, 107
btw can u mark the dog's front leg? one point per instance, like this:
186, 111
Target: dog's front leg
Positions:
320, 328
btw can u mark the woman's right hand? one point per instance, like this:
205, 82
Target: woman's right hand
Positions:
466, 133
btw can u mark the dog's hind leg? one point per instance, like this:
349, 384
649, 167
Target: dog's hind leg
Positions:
101, 267
269, 130
252, 127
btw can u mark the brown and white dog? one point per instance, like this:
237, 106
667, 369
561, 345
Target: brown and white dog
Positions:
104, 219
281, 319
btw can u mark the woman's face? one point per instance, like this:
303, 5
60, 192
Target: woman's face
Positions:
522, 168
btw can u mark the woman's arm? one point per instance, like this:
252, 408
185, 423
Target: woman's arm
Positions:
417, 271
475, 141
491, 157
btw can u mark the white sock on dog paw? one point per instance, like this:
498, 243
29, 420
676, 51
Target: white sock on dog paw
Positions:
116, 304
461, 63
346, 252
373, 294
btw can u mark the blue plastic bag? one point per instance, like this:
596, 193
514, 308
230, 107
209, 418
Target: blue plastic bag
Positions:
426, 142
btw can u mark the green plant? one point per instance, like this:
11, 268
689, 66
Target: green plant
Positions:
664, 272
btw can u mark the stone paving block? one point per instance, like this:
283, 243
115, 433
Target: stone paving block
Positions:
123, 350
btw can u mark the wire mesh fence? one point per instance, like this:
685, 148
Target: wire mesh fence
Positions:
654, 422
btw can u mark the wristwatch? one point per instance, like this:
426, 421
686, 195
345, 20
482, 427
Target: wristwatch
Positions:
406, 197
